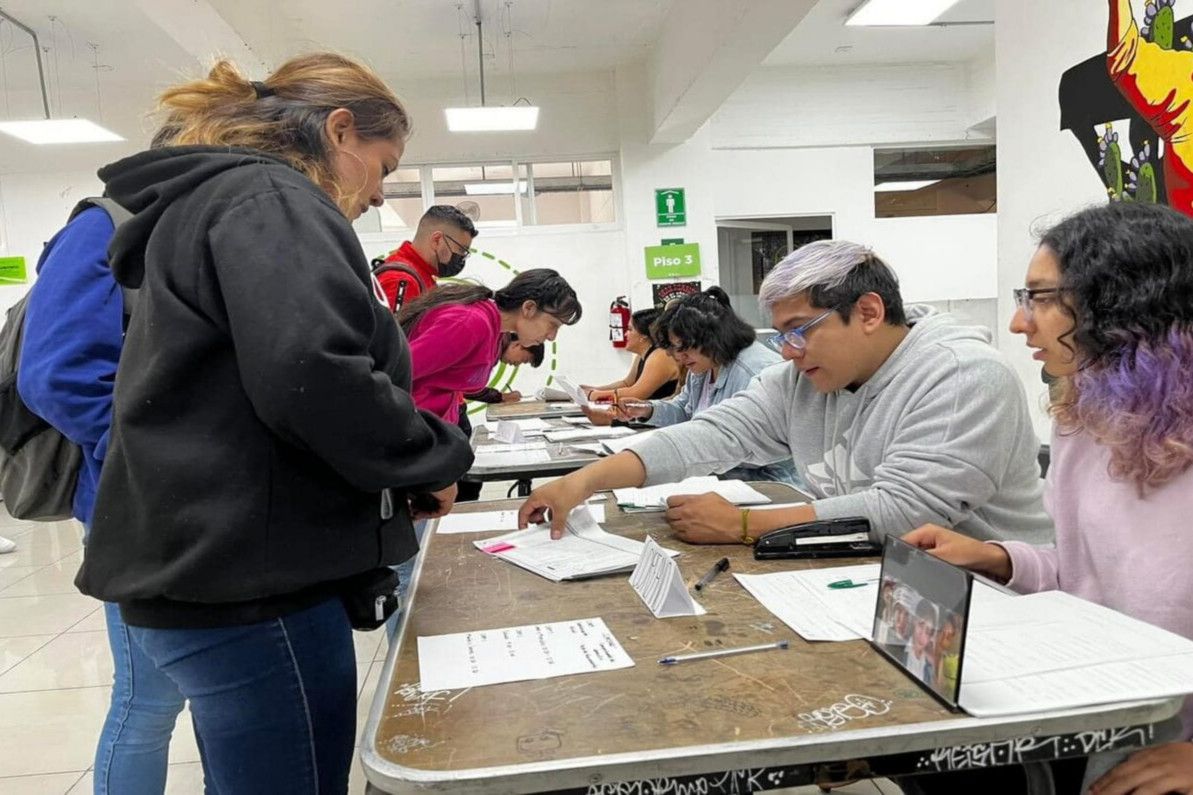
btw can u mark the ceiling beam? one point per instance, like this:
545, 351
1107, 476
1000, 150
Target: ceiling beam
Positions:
199, 29
707, 48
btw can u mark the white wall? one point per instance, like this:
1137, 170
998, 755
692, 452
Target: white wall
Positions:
1042, 172
842, 106
32, 208
937, 258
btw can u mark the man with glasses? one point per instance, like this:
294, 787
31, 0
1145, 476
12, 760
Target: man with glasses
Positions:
900, 417
439, 250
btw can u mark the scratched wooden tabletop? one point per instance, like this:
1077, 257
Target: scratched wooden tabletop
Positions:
813, 688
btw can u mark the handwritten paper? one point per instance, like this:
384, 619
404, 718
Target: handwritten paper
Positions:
493, 521
517, 654
585, 550
657, 581
654, 498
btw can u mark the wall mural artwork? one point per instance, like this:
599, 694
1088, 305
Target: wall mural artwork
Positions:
1130, 107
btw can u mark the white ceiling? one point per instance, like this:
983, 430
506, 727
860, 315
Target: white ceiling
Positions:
822, 39
408, 41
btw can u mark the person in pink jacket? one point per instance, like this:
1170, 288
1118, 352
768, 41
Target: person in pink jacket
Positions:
1108, 310
455, 332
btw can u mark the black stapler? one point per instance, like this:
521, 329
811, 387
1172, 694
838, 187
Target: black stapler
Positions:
823, 538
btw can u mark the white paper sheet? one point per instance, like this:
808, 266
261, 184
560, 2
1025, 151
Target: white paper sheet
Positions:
494, 458
585, 550
803, 601
659, 584
531, 426
581, 421
588, 433
625, 443
655, 497
493, 521
516, 654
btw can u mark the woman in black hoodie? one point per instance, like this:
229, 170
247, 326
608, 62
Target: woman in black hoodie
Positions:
265, 453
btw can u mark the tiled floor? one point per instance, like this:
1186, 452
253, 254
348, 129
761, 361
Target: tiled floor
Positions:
56, 673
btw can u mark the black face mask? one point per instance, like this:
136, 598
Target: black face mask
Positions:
455, 263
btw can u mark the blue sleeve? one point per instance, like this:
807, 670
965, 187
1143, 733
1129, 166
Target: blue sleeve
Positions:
73, 333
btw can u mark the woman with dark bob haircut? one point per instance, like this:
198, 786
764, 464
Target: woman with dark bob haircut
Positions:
653, 374
721, 355
1108, 308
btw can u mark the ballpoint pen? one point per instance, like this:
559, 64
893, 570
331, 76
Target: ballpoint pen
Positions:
716, 569
705, 655
839, 584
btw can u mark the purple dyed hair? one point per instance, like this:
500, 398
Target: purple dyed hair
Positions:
1140, 405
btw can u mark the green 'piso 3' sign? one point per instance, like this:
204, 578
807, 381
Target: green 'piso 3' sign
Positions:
670, 207
665, 261
12, 270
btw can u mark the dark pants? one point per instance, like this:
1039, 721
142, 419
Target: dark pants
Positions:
467, 490
274, 702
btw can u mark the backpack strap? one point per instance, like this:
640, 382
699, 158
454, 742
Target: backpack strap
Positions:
119, 216
387, 267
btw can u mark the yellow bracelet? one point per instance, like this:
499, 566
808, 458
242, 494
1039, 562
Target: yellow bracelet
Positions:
745, 527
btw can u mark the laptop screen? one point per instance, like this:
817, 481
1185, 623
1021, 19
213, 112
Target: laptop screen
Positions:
921, 616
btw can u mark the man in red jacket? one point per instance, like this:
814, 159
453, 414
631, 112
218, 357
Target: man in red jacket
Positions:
439, 249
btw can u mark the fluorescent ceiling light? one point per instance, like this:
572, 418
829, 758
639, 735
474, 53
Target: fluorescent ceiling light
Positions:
58, 131
899, 12
493, 188
518, 117
884, 187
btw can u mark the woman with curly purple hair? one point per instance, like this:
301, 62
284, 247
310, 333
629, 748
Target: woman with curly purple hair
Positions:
1108, 310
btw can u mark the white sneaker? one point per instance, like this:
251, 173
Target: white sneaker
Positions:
7, 546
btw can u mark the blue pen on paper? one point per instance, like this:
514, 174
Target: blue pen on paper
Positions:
705, 655
839, 584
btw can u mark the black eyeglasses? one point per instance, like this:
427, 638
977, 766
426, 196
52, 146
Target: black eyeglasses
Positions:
465, 251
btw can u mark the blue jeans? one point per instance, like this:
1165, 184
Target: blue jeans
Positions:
274, 702
135, 742
405, 576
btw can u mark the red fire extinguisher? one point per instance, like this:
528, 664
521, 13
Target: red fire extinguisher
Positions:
619, 321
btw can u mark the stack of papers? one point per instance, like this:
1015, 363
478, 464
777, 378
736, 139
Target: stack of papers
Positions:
516, 654
530, 427
1052, 650
493, 521
654, 498
588, 433
585, 550
496, 455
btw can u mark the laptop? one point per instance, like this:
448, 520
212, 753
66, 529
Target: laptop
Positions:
921, 618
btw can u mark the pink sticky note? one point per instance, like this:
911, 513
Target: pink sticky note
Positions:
493, 550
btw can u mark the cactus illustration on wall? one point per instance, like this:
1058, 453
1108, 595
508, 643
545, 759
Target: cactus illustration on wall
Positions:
1111, 162
1141, 177
1159, 23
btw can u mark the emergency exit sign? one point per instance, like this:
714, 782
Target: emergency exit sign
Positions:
670, 207
666, 261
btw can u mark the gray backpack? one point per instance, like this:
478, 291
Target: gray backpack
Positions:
39, 467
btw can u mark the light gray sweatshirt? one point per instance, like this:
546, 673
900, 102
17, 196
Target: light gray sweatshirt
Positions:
940, 433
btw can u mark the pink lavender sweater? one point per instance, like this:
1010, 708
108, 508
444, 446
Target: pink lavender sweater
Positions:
1112, 547
453, 349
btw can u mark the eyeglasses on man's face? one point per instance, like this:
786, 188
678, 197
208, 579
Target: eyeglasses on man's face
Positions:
463, 250
796, 338
1029, 299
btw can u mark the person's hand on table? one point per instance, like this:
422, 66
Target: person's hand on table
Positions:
598, 416
511, 397
433, 504
554, 501
704, 519
961, 550
602, 396
1153, 771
